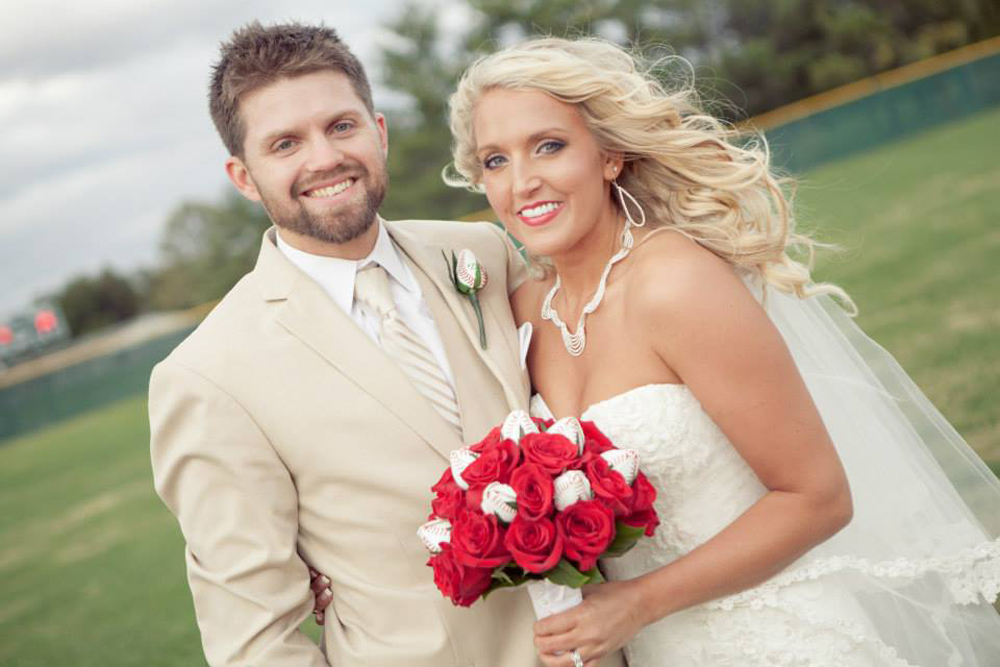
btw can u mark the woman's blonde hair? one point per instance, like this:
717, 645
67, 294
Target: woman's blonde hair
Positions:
688, 170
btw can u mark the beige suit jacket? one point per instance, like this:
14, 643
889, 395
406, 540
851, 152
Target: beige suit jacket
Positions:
281, 434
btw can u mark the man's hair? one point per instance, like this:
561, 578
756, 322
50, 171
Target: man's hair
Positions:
257, 55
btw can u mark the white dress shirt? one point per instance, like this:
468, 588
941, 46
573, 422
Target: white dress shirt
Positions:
336, 277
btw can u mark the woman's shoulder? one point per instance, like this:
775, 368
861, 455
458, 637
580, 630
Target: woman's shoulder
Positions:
671, 272
690, 304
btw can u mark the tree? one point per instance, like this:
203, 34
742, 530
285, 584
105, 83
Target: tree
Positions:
778, 52
424, 69
205, 249
91, 303
680, 25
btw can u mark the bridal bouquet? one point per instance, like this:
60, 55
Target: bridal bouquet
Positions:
535, 502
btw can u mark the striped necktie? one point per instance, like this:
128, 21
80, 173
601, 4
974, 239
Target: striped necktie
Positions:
404, 346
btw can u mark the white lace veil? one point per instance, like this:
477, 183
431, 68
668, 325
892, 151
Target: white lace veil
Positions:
921, 556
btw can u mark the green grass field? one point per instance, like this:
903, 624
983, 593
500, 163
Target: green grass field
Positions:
91, 564
919, 222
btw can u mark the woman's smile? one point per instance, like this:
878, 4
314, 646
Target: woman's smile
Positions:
539, 213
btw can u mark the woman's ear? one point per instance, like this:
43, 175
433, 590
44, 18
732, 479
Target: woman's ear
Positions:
613, 164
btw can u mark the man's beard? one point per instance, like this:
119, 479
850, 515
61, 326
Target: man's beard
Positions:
338, 227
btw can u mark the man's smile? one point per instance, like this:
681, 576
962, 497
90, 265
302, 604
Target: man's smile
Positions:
327, 191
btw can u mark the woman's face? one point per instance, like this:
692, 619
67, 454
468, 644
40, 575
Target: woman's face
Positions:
544, 174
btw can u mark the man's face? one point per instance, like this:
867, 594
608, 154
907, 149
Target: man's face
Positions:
313, 156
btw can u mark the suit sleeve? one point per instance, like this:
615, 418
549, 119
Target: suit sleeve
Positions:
517, 267
238, 510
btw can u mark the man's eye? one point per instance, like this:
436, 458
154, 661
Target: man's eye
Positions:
493, 161
284, 145
550, 146
343, 126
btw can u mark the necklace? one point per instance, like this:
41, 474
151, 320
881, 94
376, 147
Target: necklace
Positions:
576, 341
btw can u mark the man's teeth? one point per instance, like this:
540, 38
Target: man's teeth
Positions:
331, 190
539, 210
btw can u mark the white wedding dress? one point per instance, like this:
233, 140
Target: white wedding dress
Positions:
908, 584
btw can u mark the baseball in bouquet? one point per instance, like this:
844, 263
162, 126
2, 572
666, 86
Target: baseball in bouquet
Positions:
535, 502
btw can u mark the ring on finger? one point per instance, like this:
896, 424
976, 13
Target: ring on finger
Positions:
577, 659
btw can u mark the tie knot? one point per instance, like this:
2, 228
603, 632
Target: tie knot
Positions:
371, 287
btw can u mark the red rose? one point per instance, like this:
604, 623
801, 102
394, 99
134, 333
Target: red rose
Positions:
447, 504
493, 465
543, 424
594, 441
643, 494
449, 497
447, 481
491, 439
587, 526
477, 540
474, 499
609, 486
553, 453
536, 545
642, 513
462, 584
534, 490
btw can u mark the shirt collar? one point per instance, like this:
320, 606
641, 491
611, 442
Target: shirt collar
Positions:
336, 276
386, 254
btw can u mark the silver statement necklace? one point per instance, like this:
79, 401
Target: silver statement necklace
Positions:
576, 341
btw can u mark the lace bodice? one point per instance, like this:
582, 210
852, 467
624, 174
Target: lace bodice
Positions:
702, 483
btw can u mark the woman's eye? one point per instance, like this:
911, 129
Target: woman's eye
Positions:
493, 161
550, 146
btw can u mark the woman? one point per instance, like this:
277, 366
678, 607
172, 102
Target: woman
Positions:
668, 310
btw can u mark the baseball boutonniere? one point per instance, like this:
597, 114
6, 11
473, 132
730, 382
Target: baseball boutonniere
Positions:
468, 276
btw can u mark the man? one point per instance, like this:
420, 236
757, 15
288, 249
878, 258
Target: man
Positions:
307, 417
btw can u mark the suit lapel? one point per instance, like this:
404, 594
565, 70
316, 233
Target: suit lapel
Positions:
307, 313
501, 355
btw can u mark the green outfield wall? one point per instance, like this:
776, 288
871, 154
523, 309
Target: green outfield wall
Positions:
888, 107
83, 386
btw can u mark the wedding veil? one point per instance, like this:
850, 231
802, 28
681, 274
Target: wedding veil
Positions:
921, 556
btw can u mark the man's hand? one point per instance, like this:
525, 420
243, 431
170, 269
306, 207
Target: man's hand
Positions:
320, 585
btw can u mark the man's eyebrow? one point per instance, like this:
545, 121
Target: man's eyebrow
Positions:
532, 138
266, 141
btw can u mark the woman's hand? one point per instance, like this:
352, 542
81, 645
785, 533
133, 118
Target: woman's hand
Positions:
320, 585
610, 615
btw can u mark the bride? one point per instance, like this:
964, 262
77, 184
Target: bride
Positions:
815, 509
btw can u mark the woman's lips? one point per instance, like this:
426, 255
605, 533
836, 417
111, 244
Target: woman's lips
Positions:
550, 210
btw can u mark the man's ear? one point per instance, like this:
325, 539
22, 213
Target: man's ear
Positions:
383, 132
238, 173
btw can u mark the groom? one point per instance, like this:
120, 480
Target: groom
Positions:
306, 419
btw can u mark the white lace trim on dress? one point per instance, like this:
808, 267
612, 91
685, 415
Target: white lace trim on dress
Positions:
972, 575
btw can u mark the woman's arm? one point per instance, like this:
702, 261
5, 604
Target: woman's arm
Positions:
712, 332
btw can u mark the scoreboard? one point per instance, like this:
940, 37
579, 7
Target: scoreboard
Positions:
30, 333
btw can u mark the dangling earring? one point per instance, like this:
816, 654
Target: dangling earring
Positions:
622, 194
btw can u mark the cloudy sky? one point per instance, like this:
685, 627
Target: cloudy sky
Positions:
105, 127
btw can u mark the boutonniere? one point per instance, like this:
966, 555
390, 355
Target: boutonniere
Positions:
468, 276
